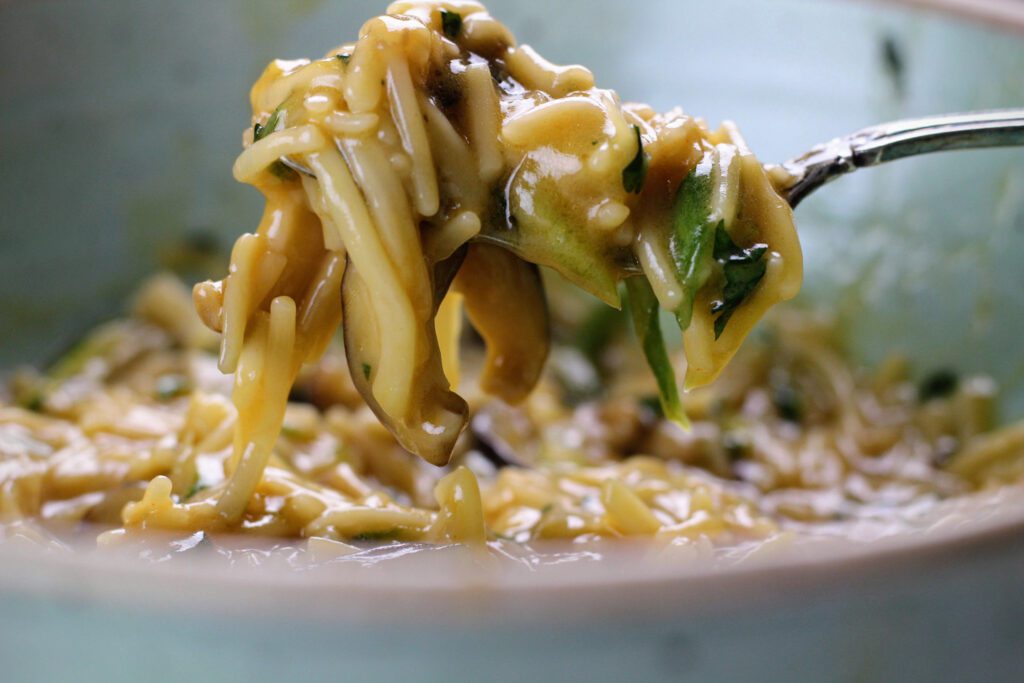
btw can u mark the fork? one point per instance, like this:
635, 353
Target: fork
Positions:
897, 140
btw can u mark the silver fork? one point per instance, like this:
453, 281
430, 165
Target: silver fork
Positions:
897, 140
868, 147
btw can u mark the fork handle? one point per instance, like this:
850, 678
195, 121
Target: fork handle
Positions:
889, 141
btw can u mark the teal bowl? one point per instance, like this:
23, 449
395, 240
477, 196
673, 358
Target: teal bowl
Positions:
118, 127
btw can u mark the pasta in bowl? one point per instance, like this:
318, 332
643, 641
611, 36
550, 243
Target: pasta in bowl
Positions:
432, 168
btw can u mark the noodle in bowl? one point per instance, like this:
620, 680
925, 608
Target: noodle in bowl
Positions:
407, 608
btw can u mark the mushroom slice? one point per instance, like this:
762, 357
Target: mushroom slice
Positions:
435, 415
504, 300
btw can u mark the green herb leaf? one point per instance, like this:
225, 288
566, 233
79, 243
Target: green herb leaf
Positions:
451, 23
384, 535
277, 169
293, 433
736, 445
35, 402
786, 397
282, 172
343, 57
743, 268
196, 487
261, 131
367, 369
643, 306
634, 175
692, 235
939, 384
652, 403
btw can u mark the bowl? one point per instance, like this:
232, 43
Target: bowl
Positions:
118, 130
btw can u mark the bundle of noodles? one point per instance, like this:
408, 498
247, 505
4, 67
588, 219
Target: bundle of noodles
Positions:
418, 147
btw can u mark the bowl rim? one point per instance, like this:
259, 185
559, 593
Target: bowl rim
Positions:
1007, 15
658, 591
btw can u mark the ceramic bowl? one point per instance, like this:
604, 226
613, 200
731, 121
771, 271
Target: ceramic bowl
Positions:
118, 128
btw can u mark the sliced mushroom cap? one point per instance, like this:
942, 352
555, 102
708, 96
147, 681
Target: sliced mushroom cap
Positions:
504, 300
435, 415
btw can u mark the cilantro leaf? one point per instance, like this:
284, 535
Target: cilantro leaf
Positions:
743, 268
282, 172
634, 175
393, 534
692, 234
34, 402
643, 306
939, 384
261, 131
786, 397
196, 487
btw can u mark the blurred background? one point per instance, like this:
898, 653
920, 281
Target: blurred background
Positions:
120, 121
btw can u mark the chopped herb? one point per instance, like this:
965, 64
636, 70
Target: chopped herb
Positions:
451, 23
446, 89
282, 172
692, 235
643, 306
343, 57
546, 509
939, 384
593, 143
383, 535
367, 368
652, 403
634, 175
736, 445
196, 487
743, 268
787, 401
34, 402
171, 386
261, 131
292, 432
